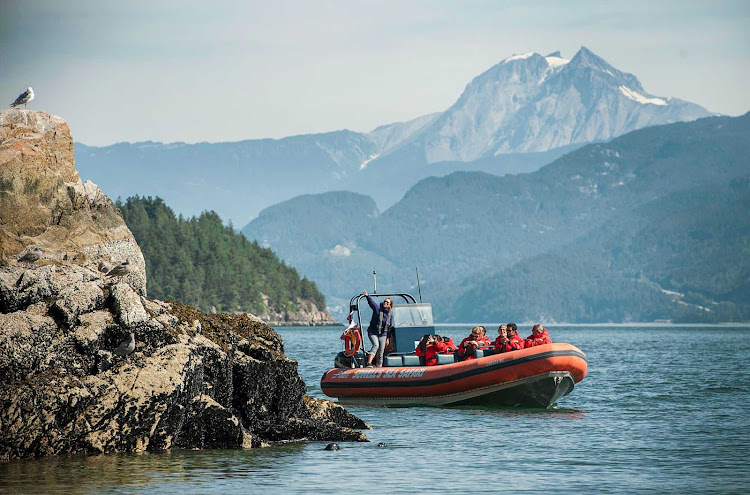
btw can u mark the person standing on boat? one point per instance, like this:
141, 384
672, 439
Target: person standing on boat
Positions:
477, 339
381, 326
539, 336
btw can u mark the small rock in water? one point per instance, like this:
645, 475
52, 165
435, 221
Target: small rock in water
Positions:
382, 444
332, 446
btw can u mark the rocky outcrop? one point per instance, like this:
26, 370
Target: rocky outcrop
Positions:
306, 314
193, 381
43, 203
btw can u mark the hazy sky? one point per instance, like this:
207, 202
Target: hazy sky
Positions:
226, 71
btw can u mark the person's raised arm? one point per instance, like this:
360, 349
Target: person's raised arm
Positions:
373, 305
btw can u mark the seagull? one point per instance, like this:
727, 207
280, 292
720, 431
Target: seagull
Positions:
122, 269
23, 98
33, 255
104, 267
126, 347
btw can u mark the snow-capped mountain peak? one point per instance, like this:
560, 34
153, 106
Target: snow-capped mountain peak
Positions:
530, 102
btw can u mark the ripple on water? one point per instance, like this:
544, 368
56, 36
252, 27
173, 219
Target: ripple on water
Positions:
648, 418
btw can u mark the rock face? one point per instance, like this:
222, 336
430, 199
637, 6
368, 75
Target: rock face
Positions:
44, 204
307, 314
193, 381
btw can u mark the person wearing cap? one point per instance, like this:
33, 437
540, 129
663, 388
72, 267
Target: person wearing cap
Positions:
539, 336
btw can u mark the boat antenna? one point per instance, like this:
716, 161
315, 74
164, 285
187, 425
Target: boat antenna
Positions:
375, 281
418, 285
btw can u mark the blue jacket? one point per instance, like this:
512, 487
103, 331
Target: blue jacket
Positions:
377, 317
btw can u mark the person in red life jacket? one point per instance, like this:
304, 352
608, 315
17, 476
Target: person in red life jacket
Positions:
449, 344
514, 340
539, 336
502, 343
429, 347
472, 342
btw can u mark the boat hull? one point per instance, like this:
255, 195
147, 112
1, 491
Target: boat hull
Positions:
535, 377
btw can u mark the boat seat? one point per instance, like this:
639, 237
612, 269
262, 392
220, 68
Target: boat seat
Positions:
484, 352
411, 360
394, 360
446, 358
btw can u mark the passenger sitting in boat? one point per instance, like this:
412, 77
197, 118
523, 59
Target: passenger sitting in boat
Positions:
472, 342
429, 347
539, 336
449, 344
515, 340
502, 343
381, 327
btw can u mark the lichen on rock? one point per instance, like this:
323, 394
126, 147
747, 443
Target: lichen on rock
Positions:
194, 380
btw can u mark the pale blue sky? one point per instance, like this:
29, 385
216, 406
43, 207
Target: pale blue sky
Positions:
226, 71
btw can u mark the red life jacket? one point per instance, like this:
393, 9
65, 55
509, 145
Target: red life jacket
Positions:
516, 342
466, 350
431, 352
541, 339
500, 347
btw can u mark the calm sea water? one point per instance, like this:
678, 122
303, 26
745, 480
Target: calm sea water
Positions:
663, 409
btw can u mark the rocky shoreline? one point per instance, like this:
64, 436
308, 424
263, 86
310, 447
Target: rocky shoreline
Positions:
306, 315
70, 383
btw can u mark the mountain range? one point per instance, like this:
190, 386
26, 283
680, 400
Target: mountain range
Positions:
519, 115
651, 225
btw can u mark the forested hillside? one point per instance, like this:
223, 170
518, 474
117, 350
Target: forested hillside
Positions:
684, 257
202, 262
607, 232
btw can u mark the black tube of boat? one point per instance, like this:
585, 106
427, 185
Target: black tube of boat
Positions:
375, 281
419, 286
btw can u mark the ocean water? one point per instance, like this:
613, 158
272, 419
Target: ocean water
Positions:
663, 409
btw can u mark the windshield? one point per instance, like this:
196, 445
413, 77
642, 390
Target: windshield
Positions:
412, 315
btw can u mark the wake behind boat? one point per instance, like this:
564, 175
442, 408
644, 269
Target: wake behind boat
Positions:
533, 377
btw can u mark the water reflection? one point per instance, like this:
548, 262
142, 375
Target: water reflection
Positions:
649, 417
115, 473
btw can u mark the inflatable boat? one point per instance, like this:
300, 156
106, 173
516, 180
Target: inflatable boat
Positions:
535, 377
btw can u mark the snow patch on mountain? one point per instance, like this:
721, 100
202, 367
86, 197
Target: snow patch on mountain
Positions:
369, 159
518, 57
556, 61
635, 96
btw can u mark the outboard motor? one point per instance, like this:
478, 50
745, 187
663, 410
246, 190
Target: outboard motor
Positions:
342, 361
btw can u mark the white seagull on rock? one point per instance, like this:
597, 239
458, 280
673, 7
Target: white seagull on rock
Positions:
23, 98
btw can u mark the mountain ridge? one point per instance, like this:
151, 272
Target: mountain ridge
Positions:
469, 222
539, 114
